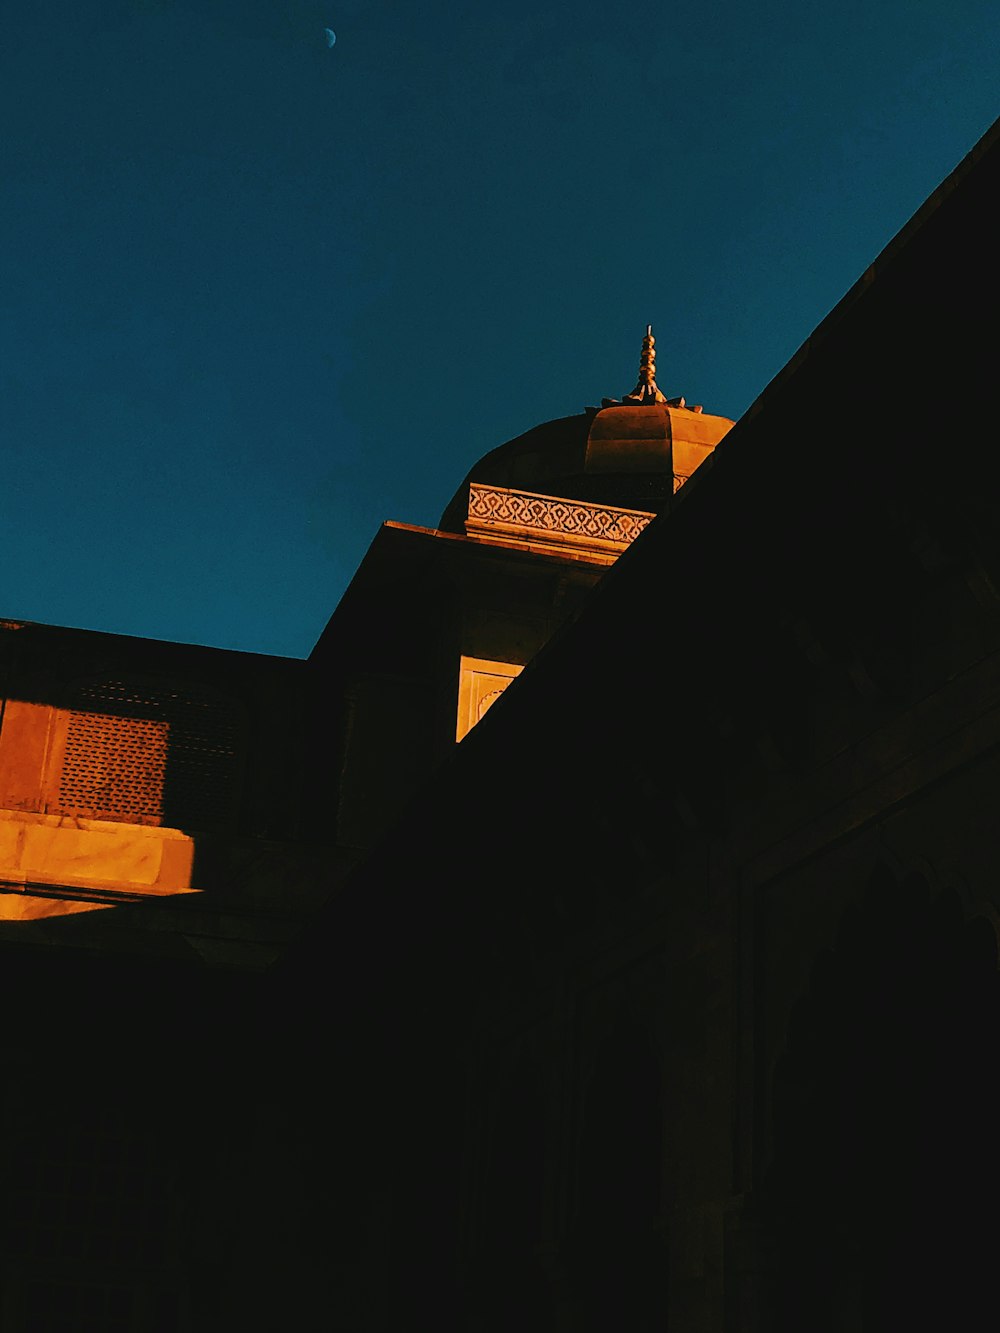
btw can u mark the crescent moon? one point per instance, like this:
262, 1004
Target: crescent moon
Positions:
331, 36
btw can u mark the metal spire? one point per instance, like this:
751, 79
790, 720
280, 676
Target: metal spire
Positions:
645, 390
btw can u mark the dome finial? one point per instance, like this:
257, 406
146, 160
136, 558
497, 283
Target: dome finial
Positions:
645, 390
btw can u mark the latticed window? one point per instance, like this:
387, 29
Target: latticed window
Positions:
147, 753
115, 766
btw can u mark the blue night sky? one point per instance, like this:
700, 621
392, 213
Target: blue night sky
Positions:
260, 293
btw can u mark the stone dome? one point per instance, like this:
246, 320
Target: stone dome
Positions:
632, 453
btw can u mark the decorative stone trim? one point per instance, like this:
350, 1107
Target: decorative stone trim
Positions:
500, 509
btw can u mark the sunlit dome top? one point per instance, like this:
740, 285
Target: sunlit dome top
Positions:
633, 452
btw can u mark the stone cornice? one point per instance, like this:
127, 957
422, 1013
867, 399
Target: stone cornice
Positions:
497, 513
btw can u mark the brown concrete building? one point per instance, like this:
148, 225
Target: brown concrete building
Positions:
667, 998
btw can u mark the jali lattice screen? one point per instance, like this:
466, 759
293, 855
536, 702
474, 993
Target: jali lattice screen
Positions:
151, 754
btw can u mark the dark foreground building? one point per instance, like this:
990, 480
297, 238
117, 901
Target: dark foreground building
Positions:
668, 998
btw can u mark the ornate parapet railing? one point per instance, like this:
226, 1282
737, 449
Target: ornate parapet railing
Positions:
519, 517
